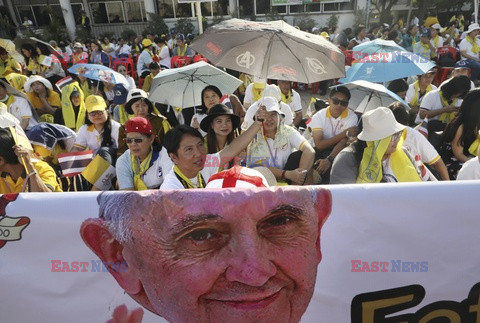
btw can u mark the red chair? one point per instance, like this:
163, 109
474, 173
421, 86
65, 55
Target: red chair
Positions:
180, 61
443, 71
127, 62
198, 58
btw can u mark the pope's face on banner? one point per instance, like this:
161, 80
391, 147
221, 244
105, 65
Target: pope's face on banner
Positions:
224, 256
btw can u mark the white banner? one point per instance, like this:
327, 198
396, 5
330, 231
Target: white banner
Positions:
402, 251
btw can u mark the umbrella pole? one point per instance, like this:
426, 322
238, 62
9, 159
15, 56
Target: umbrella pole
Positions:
366, 105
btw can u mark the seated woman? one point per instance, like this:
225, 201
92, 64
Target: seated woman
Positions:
50, 65
73, 111
281, 148
193, 167
417, 91
18, 105
377, 155
31, 57
461, 138
97, 55
440, 105
211, 95
21, 172
139, 105
100, 132
220, 125
42, 97
144, 165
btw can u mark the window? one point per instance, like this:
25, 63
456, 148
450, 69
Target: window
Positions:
312, 7
182, 10
135, 11
262, 7
26, 11
165, 8
246, 8
42, 16
107, 12
297, 8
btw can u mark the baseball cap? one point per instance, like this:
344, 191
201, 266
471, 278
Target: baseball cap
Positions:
425, 33
95, 103
461, 64
120, 94
77, 45
140, 125
146, 42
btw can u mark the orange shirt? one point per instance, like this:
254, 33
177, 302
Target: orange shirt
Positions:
53, 99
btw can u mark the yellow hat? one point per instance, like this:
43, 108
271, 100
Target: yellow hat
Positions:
95, 103
324, 34
146, 42
259, 83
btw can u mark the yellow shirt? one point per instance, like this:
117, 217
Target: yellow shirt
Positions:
46, 173
53, 99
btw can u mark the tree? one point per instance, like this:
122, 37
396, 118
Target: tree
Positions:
384, 9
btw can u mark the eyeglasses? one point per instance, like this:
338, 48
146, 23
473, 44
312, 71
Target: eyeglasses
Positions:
134, 140
341, 102
95, 113
122, 70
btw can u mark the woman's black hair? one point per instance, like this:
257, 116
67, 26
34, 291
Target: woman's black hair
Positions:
107, 140
128, 105
211, 88
212, 138
397, 86
457, 85
174, 136
6, 144
31, 49
469, 117
392, 35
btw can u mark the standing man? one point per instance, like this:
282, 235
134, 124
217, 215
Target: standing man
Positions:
470, 50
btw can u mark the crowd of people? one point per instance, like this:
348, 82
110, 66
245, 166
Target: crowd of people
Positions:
262, 124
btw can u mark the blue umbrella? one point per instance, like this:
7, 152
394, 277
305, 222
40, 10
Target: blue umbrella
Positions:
98, 72
384, 67
375, 46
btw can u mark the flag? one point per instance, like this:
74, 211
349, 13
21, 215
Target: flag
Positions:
99, 173
20, 137
74, 163
62, 82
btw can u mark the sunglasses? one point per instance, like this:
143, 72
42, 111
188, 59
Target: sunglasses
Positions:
341, 102
135, 140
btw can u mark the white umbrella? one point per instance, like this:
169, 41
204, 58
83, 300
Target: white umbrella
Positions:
366, 96
182, 86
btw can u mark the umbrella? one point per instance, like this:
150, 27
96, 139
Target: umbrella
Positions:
99, 72
40, 43
48, 134
182, 86
375, 46
366, 96
384, 67
10, 48
272, 49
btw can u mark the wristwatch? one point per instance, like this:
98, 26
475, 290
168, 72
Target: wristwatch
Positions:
330, 159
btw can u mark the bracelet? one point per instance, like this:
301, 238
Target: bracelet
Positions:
32, 174
346, 134
283, 174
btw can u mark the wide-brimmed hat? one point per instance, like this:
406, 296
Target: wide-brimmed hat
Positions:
37, 78
237, 177
140, 125
219, 110
133, 96
378, 124
95, 103
472, 27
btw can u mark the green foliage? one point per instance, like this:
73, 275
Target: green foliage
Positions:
82, 33
108, 34
332, 22
360, 18
305, 23
127, 33
7, 29
156, 25
273, 15
184, 26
